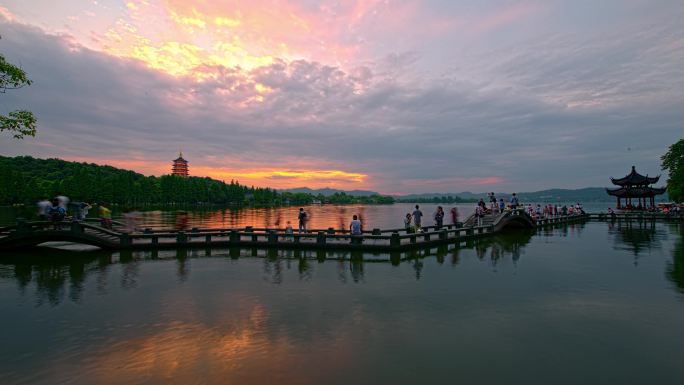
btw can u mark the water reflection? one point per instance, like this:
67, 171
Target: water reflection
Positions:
675, 269
636, 237
59, 274
56, 275
340, 317
319, 216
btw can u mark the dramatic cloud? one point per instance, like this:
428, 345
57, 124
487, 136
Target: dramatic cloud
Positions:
410, 97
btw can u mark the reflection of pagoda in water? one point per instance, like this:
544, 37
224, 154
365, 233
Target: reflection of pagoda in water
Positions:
635, 186
180, 166
636, 237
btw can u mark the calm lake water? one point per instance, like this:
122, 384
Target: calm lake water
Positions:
593, 303
320, 216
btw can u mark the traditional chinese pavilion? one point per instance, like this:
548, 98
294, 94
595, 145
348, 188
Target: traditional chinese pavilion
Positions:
635, 191
180, 166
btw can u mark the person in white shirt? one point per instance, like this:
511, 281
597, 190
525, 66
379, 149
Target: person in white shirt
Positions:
44, 207
356, 226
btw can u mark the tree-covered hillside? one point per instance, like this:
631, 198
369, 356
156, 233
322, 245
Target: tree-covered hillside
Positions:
25, 179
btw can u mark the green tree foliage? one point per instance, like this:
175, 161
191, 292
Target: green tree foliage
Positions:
25, 179
437, 200
673, 162
19, 123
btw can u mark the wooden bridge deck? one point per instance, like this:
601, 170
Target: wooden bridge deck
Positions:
30, 234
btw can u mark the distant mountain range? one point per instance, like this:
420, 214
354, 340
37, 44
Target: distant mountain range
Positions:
588, 194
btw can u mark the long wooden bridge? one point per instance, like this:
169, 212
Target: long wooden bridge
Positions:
26, 234
30, 234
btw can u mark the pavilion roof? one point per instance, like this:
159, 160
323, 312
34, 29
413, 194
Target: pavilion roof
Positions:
635, 192
635, 179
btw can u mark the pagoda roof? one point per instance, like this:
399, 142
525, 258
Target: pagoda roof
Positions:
635, 192
180, 159
635, 179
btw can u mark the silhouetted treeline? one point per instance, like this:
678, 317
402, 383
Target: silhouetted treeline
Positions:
25, 179
442, 199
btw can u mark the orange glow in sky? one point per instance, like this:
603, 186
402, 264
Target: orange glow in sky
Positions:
193, 38
262, 177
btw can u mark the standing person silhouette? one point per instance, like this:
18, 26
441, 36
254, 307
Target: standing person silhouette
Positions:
454, 216
439, 217
417, 218
302, 220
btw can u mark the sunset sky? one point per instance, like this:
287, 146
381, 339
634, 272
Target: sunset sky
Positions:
392, 96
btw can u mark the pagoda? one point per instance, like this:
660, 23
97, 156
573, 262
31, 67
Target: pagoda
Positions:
180, 166
635, 186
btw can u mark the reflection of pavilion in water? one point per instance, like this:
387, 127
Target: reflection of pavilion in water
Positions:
675, 269
636, 237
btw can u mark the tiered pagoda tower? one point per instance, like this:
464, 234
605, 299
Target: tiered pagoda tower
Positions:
635, 186
180, 166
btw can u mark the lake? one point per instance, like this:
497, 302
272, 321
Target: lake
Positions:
320, 216
594, 303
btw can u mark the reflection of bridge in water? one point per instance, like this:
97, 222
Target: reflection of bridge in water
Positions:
60, 275
26, 235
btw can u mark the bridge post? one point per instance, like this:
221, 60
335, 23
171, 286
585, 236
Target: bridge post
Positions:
426, 237
331, 230
207, 238
125, 239
443, 234
320, 238
23, 227
394, 240
234, 236
376, 232
395, 258
76, 228
273, 237
250, 229
155, 240
181, 237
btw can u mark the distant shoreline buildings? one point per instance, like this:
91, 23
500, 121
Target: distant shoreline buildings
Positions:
180, 166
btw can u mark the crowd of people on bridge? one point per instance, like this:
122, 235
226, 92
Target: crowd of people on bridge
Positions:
413, 222
60, 209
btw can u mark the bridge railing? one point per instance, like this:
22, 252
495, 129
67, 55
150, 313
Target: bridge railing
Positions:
250, 236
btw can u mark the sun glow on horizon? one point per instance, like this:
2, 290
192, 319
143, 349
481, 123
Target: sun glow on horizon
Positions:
259, 177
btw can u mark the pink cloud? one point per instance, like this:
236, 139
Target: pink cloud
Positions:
5, 13
504, 16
